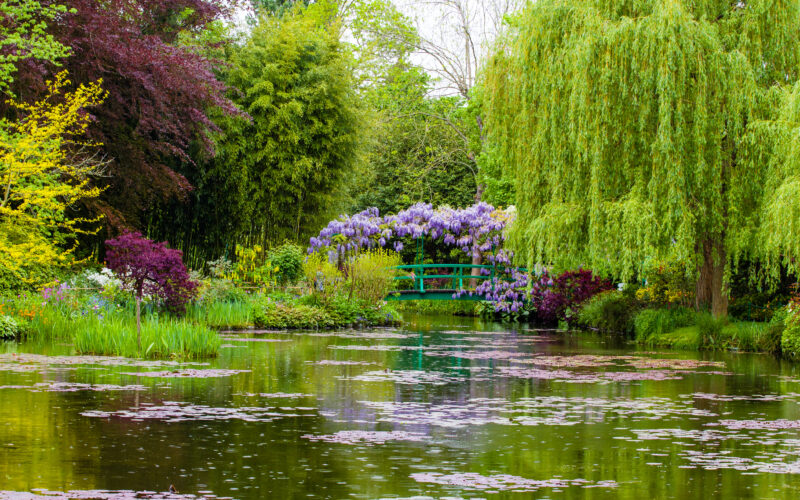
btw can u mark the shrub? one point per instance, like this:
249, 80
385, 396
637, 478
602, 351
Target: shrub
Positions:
149, 268
290, 316
371, 275
650, 322
558, 299
9, 327
252, 268
288, 259
221, 268
790, 339
610, 311
324, 277
668, 283
771, 341
220, 290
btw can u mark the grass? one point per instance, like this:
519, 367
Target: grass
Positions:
718, 335
235, 314
112, 330
161, 338
687, 337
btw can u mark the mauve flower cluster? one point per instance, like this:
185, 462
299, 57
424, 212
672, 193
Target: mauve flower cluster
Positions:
507, 292
478, 228
552, 299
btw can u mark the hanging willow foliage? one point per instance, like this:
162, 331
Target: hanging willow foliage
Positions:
620, 123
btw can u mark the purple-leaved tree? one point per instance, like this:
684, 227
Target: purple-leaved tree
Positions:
146, 267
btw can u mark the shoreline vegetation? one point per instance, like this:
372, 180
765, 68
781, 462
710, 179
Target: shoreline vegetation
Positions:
177, 313
101, 314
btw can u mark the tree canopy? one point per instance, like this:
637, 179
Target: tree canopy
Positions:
160, 92
281, 171
621, 125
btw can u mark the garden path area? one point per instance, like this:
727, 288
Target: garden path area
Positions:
442, 408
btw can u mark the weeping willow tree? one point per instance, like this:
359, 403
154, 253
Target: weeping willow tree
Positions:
621, 125
773, 147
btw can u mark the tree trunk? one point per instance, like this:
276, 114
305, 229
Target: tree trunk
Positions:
139, 325
711, 292
477, 258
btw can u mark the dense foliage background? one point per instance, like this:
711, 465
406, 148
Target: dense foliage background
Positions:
631, 137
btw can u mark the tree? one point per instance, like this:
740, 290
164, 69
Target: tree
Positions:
160, 91
771, 147
281, 173
40, 180
148, 268
620, 125
24, 36
414, 155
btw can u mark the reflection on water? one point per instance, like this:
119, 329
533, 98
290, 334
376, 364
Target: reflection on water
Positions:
443, 408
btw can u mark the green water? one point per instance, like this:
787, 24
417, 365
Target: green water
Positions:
462, 409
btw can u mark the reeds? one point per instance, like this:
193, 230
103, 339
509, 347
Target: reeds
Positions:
235, 314
161, 338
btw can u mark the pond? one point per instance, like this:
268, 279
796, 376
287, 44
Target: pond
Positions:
442, 408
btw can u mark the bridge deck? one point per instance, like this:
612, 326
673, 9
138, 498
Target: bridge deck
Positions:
459, 274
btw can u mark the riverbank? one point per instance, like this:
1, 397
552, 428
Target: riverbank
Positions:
105, 324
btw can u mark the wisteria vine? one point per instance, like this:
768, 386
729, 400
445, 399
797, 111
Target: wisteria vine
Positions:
478, 228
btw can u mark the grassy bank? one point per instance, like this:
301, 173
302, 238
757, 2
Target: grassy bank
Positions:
682, 327
308, 312
438, 307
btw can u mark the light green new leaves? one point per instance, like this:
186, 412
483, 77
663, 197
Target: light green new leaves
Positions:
620, 125
23, 35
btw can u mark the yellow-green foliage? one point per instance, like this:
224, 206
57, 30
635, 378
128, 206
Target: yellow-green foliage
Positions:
252, 267
790, 339
371, 274
620, 125
324, 277
39, 180
667, 283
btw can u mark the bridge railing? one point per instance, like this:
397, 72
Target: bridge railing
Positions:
460, 272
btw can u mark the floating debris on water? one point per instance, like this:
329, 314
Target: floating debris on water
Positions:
504, 482
406, 377
184, 412
366, 437
187, 373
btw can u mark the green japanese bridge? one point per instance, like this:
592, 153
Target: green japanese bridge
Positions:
459, 273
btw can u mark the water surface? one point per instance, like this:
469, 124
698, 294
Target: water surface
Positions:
442, 408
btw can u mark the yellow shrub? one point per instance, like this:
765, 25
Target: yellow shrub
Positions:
40, 179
